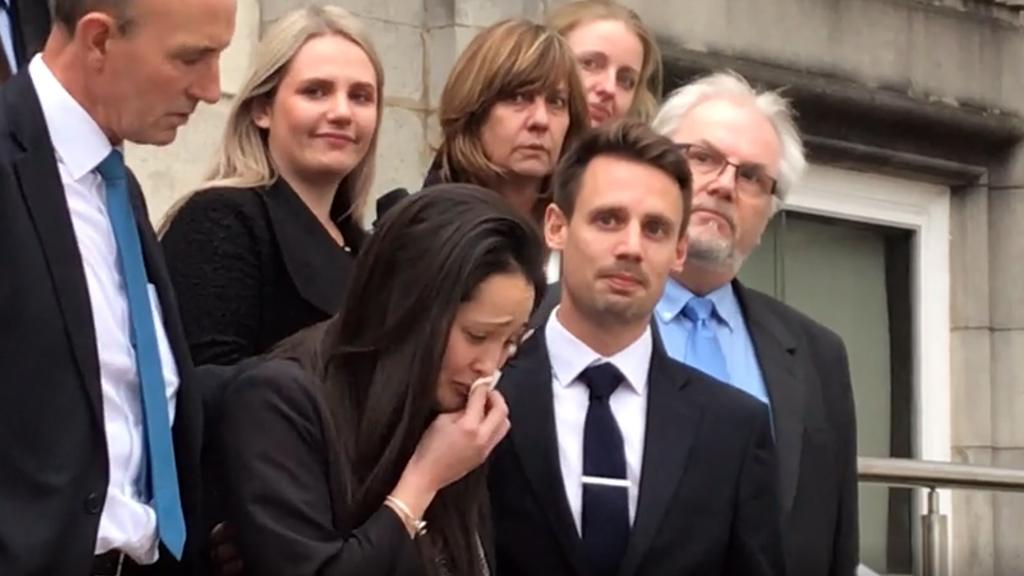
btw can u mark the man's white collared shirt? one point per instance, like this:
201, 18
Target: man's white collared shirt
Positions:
569, 357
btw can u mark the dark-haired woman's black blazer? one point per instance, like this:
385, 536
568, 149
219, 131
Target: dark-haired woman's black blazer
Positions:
252, 266
284, 489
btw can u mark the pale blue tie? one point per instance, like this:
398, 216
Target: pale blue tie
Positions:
162, 471
703, 351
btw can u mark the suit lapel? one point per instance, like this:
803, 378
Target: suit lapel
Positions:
777, 355
672, 425
527, 386
39, 181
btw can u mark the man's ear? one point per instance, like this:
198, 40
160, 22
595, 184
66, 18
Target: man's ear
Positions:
682, 246
555, 227
93, 34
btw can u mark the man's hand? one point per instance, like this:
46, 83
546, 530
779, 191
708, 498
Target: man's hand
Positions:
223, 552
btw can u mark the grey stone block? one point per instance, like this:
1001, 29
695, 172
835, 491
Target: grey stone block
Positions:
402, 159
971, 388
439, 13
401, 51
872, 42
969, 262
1006, 244
1008, 389
1009, 519
973, 536
434, 135
235, 61
483, 13
444, 45
410, 12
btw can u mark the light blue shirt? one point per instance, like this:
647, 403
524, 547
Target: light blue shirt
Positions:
730, 328
7, 34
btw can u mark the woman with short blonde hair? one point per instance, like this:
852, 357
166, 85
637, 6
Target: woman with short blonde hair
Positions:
265, 247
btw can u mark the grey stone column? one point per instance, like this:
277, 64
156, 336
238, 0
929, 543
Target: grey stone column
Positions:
1006, 289
971, 404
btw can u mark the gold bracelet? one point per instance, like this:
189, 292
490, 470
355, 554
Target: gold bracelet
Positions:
419, 527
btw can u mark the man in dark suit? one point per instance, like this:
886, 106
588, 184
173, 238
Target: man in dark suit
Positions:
24, 26
99, 420
621, 460
745, 153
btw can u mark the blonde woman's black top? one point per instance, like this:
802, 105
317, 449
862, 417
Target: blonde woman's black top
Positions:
252, 266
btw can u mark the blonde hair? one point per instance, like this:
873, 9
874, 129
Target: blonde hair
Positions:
508, 58
565, 18
771, 104
243, 159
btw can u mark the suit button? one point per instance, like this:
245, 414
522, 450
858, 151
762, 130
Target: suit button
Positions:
93, 503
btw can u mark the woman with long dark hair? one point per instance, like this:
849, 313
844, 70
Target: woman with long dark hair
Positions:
359, 433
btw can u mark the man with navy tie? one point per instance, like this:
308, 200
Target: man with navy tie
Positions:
99, 421
745, 154
620, 460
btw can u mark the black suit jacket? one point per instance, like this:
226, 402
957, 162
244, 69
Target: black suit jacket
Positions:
807, 374
285, 489
54, 471
253, 266
31, 23
707, 502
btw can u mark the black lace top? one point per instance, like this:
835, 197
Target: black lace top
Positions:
252, 267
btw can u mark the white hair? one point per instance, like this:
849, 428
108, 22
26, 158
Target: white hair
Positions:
775, 108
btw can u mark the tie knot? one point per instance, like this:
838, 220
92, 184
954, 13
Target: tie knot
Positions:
698, 309
112, 167
602, 379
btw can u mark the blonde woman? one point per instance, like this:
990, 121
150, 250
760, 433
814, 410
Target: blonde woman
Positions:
619, 60
267, 246
512, 104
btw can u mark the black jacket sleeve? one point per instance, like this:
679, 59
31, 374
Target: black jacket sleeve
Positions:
280, 496
756, 540
846, 552
214, 250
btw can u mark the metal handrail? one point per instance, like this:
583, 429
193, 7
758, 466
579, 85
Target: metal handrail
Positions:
932, 474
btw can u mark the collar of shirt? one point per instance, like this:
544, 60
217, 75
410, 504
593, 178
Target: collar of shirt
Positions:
570, 356
78, 141
675, 297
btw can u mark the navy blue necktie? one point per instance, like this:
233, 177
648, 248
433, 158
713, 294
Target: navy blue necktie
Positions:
162, 471
605, 517
703, 351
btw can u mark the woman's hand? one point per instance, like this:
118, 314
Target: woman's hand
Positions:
454, 444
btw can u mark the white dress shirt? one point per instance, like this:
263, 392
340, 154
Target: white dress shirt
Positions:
569, 357
126, 522
553, 268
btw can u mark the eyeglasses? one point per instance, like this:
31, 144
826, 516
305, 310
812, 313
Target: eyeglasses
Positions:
751, 179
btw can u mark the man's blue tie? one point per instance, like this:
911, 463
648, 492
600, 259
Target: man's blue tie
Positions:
605, 515
162, 472
703, 351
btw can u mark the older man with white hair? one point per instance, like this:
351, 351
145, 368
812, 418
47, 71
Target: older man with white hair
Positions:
745, 153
